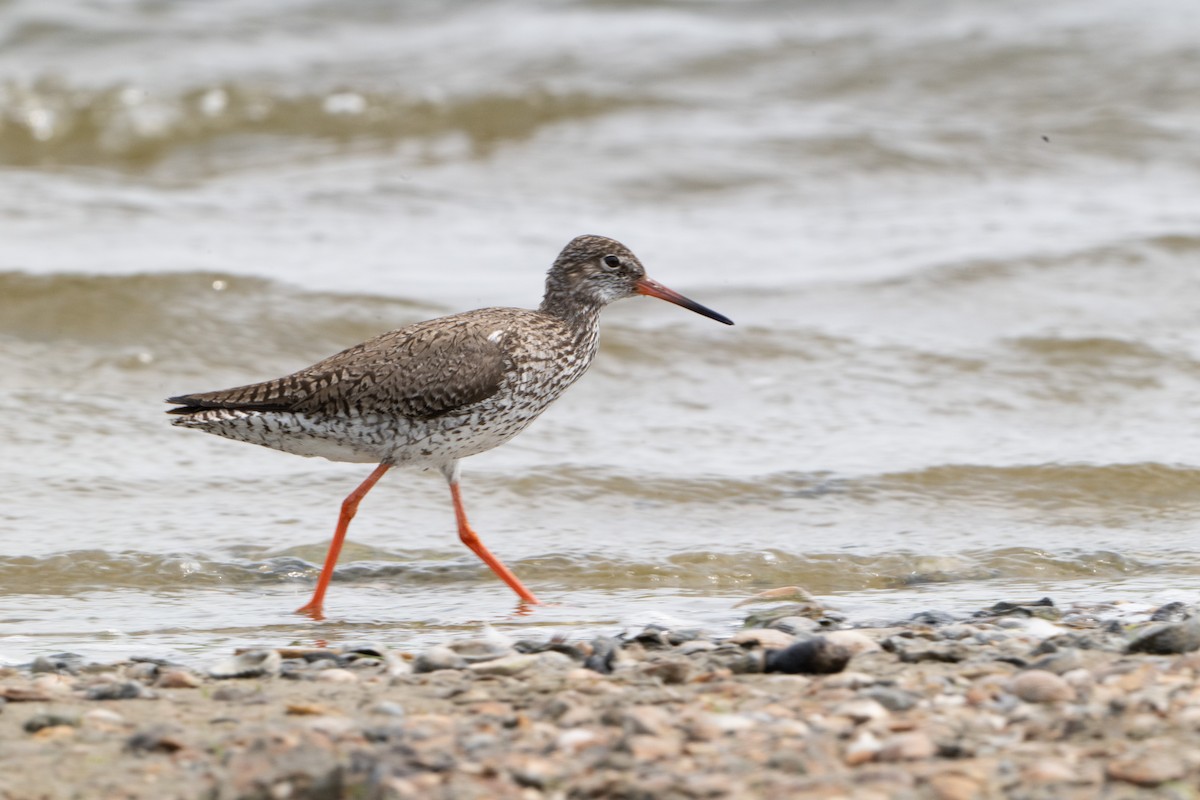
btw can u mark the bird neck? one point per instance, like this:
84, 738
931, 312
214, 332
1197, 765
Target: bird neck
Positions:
581, 316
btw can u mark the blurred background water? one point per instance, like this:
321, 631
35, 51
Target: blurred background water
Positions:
960, 241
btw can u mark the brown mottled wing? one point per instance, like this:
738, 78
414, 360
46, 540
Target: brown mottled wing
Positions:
417, 372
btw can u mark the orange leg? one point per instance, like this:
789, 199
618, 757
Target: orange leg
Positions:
314, 607
471, 540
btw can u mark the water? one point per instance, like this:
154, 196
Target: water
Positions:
959, 241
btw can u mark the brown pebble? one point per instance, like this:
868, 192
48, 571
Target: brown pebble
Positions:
178, 679
1050, 770
864, 748
669, 672
648, 720
954, 786
309, 709
1041, 686
912, 746
855, 643
53, 732
654, 748
575, 740
18, 694
1147, 768
54, 683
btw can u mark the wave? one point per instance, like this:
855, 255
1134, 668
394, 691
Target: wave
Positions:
78, 572
177, 315
1153, 487
48, 123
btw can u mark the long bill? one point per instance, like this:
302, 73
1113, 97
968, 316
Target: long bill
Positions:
655, 289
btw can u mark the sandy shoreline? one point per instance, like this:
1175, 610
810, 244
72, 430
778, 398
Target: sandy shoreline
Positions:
1020, 700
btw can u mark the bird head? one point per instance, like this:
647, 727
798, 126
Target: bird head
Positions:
597, 270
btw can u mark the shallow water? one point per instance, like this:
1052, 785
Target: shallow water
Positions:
958, 239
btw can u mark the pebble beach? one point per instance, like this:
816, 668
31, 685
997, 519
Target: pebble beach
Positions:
1022, 699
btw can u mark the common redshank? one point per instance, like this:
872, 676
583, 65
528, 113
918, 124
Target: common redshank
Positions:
432, 393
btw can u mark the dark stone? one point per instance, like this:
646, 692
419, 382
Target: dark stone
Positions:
1171, 612
931, 618
365, 650
158, 662
604, 655
686, 635
124, 690
815, 656
1170, 639
531, 646
1044, 609
1016, 661
158, 739
653, 637
384, 733
49, 720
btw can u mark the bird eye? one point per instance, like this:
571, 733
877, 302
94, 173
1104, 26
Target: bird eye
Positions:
612, 261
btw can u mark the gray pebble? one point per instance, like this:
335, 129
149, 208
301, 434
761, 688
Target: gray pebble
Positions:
1040, 686
552, 660
931, 618
437, 658
506, 666
121, 690
250, 664
893, 699
486, 648
603, 657
142, 671
685, 635
388, 708
59, 662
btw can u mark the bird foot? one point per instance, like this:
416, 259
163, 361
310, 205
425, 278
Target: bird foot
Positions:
314, 611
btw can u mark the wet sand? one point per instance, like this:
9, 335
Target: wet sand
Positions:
1019, 700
